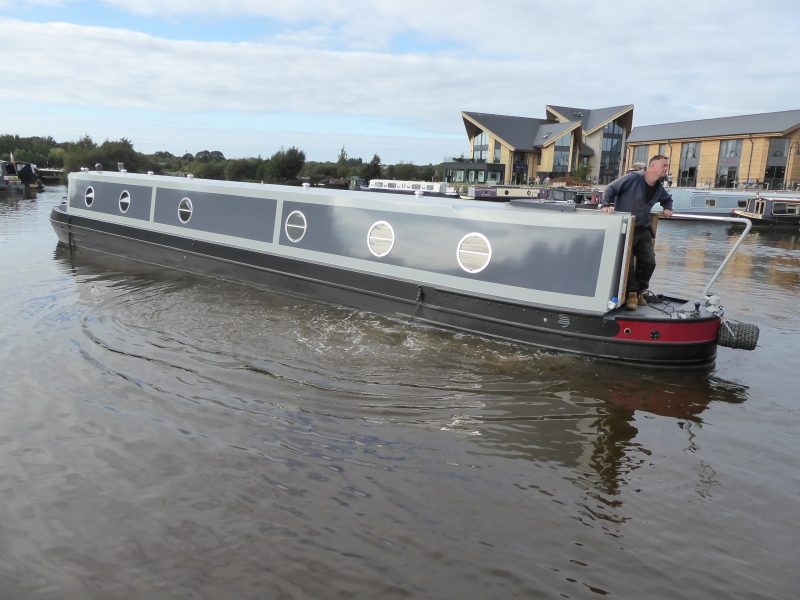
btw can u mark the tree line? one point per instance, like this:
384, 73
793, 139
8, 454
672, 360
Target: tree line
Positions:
286, 166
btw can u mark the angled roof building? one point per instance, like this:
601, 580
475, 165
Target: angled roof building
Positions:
515, 150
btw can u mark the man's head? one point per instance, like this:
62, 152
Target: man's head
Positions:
658, 167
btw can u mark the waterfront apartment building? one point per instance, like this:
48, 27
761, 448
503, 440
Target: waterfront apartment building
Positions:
726, 152
515, 150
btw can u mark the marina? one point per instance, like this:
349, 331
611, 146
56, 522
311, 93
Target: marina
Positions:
495, 269
170, 434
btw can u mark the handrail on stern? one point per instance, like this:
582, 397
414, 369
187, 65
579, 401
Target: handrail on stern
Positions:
748, 225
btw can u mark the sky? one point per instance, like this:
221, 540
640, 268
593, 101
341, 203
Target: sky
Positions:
246, 77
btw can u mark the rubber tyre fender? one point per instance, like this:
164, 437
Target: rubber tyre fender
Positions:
741, 336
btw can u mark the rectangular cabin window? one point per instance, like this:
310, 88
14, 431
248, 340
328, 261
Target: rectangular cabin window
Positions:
377, 184
793, 209
428, 187
416, 186
741, 203
391, 185
711, 201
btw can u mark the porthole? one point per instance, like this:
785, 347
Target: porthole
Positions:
295, 226
474, 252
185, 210
380, 238
124, 201
88, 197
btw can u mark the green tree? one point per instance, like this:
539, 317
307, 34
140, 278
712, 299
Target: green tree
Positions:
405, 170
372, 170
282, 167
209, 170
243, 169
342, 167
582, 171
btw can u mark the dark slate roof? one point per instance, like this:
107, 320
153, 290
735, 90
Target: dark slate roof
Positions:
590, 119
519, 132
522, 133
776, 122
555, 131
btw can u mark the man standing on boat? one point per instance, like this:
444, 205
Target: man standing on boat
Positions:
636, 193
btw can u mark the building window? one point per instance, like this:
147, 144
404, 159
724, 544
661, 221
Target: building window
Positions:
498, 147
640, 154
690, 150
481, 176
662, 149
481, 139
613, 128
728, 163
460, 176
564, 140
520, 158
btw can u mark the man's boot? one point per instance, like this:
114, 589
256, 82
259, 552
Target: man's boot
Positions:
633, 301
641, 300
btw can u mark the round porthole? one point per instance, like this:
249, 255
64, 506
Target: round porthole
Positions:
380, 238
474, 252
124, 201
88, 197
185, 210
296, 226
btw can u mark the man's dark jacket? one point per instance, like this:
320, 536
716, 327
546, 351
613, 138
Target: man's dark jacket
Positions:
627, 194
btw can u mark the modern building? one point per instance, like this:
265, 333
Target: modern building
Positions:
515, 150
725, 152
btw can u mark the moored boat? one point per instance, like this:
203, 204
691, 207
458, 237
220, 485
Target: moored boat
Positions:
419, 188
771, 211
546, 278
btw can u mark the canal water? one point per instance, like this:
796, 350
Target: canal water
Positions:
164, 435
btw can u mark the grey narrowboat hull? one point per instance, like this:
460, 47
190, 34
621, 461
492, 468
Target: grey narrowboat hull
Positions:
504, 303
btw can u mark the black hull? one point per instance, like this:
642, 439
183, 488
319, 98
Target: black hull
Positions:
588, 335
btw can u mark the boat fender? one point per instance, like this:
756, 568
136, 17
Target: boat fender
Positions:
740, 336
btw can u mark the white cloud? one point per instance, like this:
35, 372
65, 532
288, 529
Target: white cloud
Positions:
683, 61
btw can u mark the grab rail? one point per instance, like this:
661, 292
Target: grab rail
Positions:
748, 225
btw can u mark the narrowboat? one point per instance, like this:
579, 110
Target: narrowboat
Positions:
771, 211
690, 201
411, 188
500, 193
546, 278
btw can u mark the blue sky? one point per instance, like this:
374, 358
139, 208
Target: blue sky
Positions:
247, 77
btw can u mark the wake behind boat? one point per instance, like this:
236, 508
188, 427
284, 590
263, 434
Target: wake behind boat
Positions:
546, 278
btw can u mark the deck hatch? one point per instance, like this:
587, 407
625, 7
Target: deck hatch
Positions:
296, 226
185, 210
380, 238
474, 252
